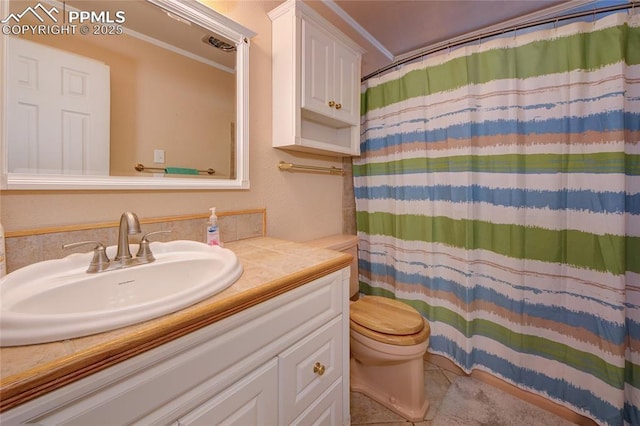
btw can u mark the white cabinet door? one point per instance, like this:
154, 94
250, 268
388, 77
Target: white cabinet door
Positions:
252, 400
347, 85
317, 69
329, 76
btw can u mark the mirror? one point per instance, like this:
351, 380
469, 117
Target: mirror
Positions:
147, 94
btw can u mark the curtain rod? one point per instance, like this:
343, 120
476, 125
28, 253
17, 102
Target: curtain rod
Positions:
480, 37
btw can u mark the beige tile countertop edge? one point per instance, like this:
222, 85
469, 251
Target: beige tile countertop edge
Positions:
260, 257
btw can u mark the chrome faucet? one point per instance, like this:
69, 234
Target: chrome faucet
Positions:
129, 225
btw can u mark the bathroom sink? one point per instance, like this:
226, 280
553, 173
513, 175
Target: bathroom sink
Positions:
58, 299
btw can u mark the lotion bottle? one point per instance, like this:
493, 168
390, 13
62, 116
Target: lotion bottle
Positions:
213, 232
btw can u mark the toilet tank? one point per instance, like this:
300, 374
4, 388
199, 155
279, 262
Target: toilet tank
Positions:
346, 244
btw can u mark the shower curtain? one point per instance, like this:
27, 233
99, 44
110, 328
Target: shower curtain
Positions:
498, 192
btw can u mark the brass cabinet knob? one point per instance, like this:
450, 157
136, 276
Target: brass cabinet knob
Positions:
338, 106
318, 369
332, 104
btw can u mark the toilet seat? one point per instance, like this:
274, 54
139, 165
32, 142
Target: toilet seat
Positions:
388, 321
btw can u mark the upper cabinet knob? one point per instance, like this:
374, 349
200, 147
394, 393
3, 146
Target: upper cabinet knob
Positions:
338, 106
332, 104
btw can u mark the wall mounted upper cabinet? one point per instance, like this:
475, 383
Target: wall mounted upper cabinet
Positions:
316, 83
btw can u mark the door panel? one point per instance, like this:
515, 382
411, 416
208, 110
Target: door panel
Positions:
57, 110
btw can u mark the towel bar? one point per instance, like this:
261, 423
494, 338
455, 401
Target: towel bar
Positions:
290, 166
141, 168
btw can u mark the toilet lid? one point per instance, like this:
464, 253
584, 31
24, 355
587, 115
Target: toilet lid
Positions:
387, 316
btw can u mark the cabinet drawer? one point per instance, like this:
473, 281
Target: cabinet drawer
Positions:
250, 401
326, 411
308, 368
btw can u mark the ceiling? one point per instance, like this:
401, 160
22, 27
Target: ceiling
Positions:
152, 21
403, 26
386, 29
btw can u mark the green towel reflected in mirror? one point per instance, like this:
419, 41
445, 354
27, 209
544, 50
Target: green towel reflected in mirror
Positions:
180, 171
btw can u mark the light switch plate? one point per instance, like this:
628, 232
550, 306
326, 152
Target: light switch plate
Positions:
158, 156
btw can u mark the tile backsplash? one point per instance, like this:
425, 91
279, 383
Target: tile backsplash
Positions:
36, 245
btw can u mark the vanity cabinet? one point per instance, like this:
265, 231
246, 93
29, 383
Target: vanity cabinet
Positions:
316, 83
283, 361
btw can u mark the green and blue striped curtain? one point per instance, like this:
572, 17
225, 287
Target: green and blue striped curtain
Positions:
498, 192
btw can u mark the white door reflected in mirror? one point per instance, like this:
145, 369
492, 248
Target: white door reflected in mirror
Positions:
58, 111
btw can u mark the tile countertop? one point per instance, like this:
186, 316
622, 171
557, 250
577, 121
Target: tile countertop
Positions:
271, 267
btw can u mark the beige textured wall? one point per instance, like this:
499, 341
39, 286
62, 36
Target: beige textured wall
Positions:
299, 206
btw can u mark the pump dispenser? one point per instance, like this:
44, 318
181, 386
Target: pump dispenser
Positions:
213, 233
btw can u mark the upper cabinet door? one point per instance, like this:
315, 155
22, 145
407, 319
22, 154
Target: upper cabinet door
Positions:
346, 84
317, 69
329, 75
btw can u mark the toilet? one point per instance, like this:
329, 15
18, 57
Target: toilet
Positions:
388, 341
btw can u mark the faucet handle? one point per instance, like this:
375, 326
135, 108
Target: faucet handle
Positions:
143, 249
100, 260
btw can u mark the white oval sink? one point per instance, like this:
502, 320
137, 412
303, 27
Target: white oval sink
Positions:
58, 299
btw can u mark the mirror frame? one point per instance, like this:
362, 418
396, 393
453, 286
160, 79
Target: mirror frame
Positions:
199, 14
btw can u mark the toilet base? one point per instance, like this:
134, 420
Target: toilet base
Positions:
398, 387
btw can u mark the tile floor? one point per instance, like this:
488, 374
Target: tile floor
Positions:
365, 411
